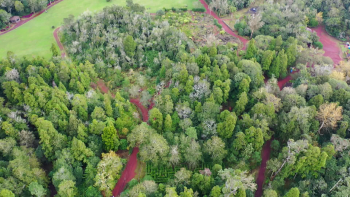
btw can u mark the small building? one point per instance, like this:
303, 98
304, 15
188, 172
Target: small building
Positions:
15, 19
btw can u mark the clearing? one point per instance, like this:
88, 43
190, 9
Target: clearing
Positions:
35, 37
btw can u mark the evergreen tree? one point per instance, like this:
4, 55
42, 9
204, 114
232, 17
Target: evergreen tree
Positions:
251, 50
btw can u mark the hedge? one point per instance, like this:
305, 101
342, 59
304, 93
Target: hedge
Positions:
216, 22
198, 9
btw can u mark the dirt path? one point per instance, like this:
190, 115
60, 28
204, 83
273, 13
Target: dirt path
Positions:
265, 155
224, 26
329, 44
129, 171
55, 35
22, 22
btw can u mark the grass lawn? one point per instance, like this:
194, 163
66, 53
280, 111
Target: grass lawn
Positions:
35, 37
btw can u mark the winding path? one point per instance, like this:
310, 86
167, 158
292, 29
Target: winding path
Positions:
331, 50
129, 171
24, 21
55, 35
224, 26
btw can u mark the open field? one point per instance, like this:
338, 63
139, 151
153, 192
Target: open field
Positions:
35, 37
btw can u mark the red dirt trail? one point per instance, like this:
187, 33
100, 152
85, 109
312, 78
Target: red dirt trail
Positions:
329, 44
129, 171
22, 22
55, 35
265, 155
224, 26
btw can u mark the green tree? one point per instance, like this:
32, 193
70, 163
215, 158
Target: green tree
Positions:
156, 119
215, 147
270, 193
241, 103
19, 6
294, 192
251, 50
283, 63
267, 59
54, 50
80, 151
109, 136
108, 170
227, 124
168, 122
129, 46
216, 191
67, 189
6, 193
36, 189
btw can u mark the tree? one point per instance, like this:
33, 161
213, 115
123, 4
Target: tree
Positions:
19, 6
168, 122
8, 4
283, 63
241, 103
270, 193
255, 23
154, 149
109, 136
251, 50
192, 154
174, 158
267, 59
215, 147
294, 192
156, 119
129, 46
216, 191
108, 170
235, 180
329, 115
6, 193
182, 176
67, 189
79, 150
36, 189
54, 50
227, 124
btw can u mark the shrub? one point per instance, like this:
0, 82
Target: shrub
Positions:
123, 144
108, 0
313, 22
173, 9
318, 44
160, 12
183, 9
216, 22
198, 9
222, 32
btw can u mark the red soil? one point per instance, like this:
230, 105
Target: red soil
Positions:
22, 22
224, 26
144, 111
55, 35
265, 155
329, 44
128, 173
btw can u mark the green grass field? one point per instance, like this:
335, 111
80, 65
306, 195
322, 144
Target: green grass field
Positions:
35, 37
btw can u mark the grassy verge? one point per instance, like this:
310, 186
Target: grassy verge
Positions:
35, 37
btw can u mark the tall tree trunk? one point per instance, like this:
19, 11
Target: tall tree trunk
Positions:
319, 130
335, 185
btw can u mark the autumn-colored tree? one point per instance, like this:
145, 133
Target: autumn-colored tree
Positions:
328, 115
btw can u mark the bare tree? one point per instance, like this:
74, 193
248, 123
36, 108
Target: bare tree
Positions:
255, 23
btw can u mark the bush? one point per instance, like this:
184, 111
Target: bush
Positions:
183, 9
313, 22
160, 12
173, 9
318, 44
123, 144
216, 22
198, 9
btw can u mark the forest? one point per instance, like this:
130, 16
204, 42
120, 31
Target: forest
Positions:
197, 116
